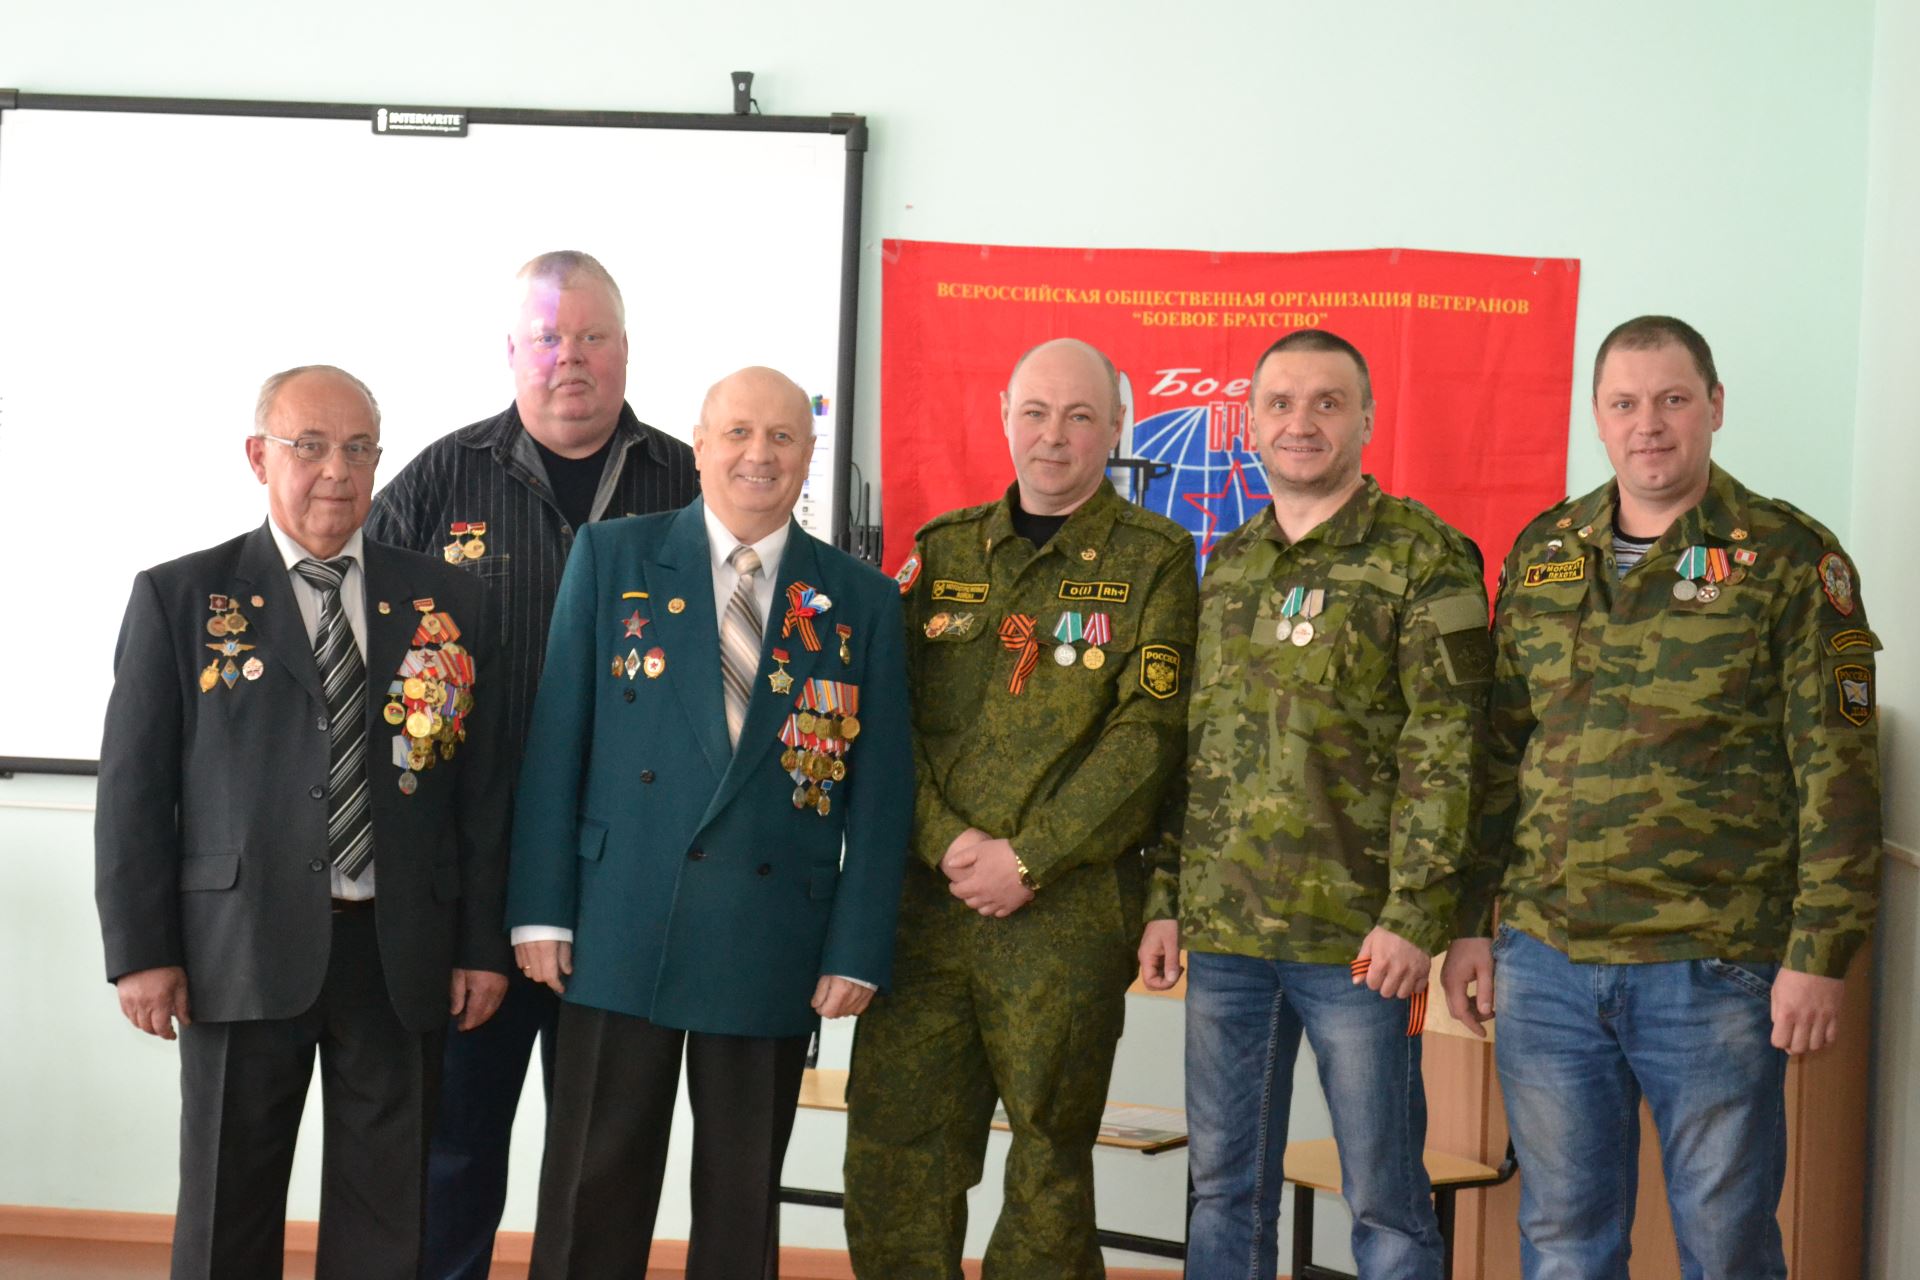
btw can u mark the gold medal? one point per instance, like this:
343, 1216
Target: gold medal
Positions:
430, 623
654, 663
419, 725
676, 605
394, 713
415, 688
1088, 553
789, 759
1302, 633
453, 553
1094, 658
210, 676
1737, 577
259, 602
236, 625
618, 666
419, 758
217, 625
823, 804
850, 728
807, 722
475, 548
839, 770
826, 726
436, 695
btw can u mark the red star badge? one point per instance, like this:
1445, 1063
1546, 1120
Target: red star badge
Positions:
636, 624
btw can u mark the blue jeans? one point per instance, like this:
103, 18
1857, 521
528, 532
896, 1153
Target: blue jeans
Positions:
1244, 1019
1578, 1045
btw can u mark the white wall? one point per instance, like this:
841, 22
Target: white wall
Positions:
1886, 522
1709, 159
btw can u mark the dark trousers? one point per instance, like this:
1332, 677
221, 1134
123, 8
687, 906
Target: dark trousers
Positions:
484, 1072
242, 1088
613, 1095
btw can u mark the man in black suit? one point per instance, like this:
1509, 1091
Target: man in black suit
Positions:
299, 844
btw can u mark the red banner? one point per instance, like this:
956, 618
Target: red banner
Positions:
1471, 357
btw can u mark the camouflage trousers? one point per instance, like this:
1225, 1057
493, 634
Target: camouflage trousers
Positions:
1027, 1010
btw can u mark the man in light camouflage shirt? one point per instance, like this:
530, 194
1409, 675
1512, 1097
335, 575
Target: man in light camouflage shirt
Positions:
1049, 641
1339, 694
1683, 820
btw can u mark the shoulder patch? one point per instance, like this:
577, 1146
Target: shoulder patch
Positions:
1853, 638
909, 574
1463, 612
1836, 579
1160, 670
1853, 686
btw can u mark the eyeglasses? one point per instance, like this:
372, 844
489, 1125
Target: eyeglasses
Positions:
360, 453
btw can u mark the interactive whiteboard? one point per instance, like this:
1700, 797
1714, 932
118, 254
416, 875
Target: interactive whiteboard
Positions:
158, 259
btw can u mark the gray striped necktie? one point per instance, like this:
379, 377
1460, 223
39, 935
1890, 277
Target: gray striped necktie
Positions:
344, 677
740, 641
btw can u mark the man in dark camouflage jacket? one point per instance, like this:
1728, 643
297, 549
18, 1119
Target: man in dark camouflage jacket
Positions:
1683, 824
1339, 697
1049, 641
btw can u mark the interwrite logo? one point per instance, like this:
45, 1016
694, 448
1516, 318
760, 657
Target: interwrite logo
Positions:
392, 120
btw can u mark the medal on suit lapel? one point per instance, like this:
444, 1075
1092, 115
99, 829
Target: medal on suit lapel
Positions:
781, 682
430, 696
654, 663
846, 654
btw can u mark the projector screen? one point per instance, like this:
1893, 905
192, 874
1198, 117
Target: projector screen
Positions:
159, 259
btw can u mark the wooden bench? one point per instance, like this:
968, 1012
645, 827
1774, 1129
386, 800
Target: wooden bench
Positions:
1315, 1166
1131, 1127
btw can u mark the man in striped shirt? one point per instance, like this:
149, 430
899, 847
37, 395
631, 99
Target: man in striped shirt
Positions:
503, 498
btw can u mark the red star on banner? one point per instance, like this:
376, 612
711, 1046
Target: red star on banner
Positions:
636, 623
1236, 474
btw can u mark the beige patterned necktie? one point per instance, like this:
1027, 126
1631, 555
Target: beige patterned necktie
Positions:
740, 641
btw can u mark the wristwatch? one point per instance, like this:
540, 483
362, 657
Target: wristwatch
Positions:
1026, 876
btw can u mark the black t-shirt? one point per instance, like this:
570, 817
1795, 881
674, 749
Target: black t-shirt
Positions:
574, 480
1035, 529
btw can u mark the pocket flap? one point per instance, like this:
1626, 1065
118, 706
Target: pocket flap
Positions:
214, 871
593, 840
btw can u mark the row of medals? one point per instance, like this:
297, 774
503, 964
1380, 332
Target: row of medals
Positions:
814, 771
1066, 655
429, 728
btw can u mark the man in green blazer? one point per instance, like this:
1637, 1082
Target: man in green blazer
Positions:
709, 838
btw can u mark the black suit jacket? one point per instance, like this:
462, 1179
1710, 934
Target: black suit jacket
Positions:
210, 836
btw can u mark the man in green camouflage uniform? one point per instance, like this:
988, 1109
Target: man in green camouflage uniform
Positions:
1683, 819
1339, 693
1049, 636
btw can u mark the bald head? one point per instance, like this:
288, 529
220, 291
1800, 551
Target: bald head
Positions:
1061, 413
1058, 349
753, 446
760, 381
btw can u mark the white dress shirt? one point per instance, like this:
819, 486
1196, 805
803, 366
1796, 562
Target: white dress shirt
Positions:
353, 600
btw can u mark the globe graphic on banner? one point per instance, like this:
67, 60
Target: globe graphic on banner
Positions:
1211, 483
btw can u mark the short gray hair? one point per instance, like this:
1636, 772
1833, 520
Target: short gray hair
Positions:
1105, 361
271, 388
564, 268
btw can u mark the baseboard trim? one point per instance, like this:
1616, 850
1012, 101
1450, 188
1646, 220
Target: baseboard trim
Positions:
1903, 854
509, 1246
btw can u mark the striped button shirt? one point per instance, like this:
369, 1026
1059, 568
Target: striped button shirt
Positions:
491, 473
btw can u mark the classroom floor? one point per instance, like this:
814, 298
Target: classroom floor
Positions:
37, 1258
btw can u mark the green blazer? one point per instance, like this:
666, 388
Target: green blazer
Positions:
699, 895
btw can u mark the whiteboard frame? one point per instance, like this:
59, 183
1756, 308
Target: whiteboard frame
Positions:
852, 128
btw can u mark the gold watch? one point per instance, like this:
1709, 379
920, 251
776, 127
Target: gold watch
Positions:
1026, 876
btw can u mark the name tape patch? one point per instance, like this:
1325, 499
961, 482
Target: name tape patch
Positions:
1539, 575
960, 592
